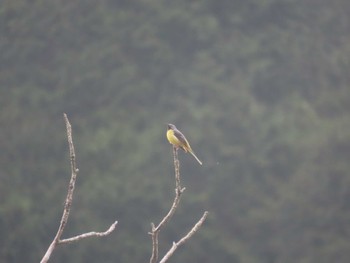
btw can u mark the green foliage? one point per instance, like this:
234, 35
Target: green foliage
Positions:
260, 88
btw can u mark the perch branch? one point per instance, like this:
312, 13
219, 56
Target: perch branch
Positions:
156, 229
178, 191
68, 203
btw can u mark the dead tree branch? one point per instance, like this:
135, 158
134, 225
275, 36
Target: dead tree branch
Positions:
90, 234
68, 203
185, 238
156, 229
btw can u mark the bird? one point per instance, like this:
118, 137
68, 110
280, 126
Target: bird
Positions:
178, 140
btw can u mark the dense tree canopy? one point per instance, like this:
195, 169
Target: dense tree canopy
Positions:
259, 87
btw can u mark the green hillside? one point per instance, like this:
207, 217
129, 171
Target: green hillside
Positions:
261, 89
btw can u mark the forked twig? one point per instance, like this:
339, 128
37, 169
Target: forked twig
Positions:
156, 229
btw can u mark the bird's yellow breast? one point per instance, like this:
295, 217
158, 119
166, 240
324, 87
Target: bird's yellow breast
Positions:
172, 138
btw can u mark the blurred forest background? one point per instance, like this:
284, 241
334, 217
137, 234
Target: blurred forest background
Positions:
259, 87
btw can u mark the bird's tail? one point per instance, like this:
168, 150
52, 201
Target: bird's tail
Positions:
191, 152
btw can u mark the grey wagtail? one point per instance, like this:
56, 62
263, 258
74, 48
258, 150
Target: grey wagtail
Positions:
176, 138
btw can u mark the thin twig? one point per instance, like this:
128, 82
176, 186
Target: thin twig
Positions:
177, 169
90, 234
184, 239
154, 234
68, 203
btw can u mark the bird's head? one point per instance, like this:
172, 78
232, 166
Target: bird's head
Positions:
171, 126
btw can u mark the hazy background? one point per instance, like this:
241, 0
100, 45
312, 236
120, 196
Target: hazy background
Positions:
259, 87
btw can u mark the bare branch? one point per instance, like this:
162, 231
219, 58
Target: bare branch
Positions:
177, 170
184, 239
178, 191
154, 235
69, 197
155, 230
90, 234
68, 203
